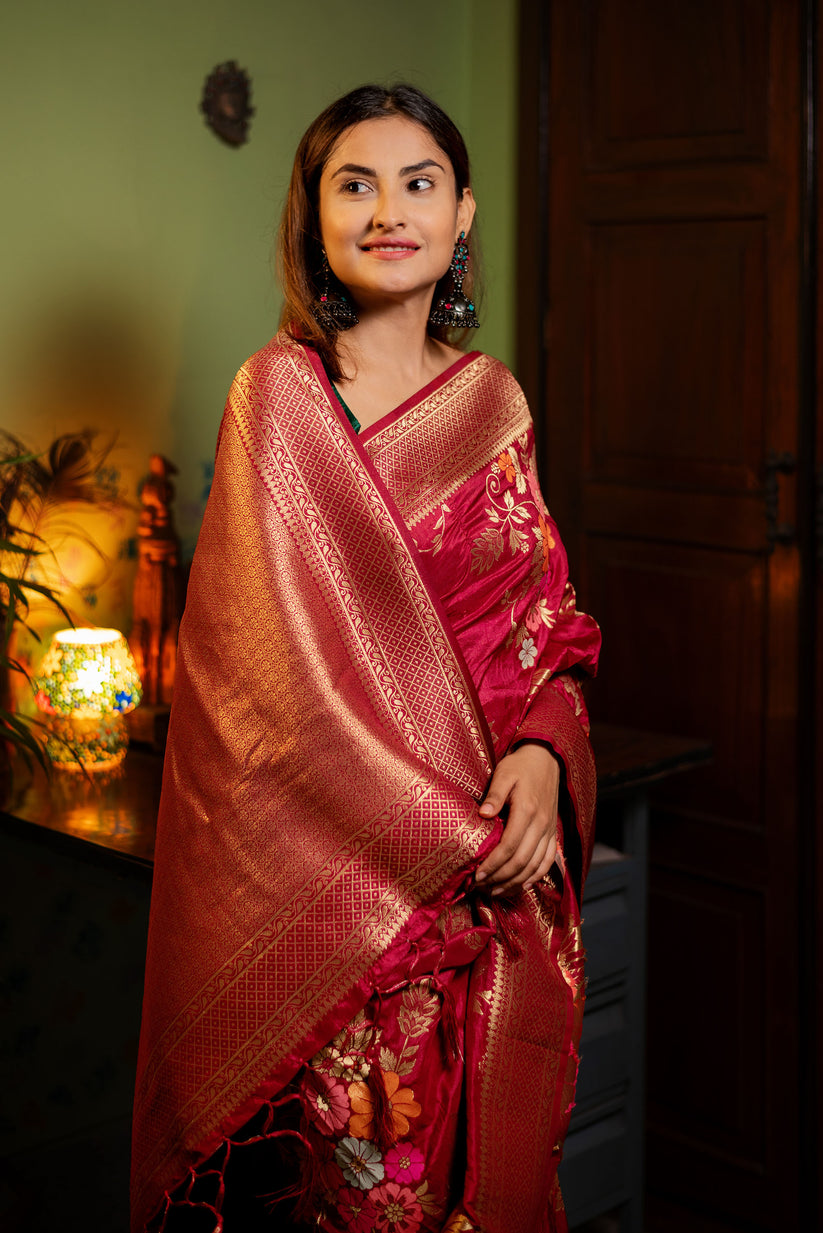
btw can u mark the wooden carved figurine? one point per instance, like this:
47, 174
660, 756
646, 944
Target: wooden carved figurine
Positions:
158, 586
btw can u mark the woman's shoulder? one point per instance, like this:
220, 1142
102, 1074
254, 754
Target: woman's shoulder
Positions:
273, 378
498, 374
489, 362
279, 353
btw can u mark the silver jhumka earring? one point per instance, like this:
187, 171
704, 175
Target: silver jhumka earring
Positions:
454, 308
332, 310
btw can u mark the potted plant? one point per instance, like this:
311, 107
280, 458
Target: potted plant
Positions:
34, 489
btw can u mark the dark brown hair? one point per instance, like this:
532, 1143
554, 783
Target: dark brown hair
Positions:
300, 256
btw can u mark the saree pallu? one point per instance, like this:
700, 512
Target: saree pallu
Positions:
371, 623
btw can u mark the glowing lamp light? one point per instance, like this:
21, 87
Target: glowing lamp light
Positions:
87, 683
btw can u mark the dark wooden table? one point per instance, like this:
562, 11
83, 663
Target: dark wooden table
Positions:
628, 759
109, 819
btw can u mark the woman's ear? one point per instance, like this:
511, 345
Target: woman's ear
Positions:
465, 212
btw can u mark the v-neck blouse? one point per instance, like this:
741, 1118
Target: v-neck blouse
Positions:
352, 418
418, 396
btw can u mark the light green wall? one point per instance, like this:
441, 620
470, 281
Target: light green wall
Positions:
137, 271
490, 129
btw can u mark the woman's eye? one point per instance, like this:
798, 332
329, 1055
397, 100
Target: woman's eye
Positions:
419, 183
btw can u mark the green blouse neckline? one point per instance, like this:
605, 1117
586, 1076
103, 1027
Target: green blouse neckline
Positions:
352, 418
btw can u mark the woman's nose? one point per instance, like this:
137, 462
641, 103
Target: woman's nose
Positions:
388, 211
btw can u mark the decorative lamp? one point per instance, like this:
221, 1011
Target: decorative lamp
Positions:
87, 684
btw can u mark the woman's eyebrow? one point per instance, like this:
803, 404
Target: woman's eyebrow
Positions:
427, 162
354, 169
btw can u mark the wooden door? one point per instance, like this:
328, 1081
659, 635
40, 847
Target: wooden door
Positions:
668, 378
812, 921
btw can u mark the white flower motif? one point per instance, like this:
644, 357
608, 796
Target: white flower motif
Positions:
528, 652
361, 1162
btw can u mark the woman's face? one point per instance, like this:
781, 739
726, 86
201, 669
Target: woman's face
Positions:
389, 213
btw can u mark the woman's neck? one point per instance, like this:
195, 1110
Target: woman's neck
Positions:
393, 339
387, 358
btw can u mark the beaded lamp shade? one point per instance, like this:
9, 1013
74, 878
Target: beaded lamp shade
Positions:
87, 683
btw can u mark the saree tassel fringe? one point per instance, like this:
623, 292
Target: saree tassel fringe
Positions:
198, 1207
302, 1194
182, 1199
507, 922
448, 1022
385, 1134
190, 1194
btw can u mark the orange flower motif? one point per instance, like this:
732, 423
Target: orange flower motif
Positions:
548, 541
506, 465
401, 1099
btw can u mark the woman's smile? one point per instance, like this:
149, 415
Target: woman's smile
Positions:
395, 250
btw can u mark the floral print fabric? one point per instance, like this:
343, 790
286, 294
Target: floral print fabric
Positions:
496, 559
400, 1176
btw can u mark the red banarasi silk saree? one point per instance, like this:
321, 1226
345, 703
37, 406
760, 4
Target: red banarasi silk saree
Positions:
372, 621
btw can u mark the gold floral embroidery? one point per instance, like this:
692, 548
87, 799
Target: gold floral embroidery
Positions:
344, 1056
510, 519
575, 696
439, 531
427, 1201
419, 1008
505, 513
482, 1001
455, 918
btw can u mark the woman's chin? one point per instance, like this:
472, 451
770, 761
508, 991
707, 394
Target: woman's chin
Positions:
392, 298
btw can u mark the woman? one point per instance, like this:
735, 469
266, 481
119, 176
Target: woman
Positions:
364, 986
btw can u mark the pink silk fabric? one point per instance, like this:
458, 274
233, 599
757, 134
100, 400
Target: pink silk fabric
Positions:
370, 623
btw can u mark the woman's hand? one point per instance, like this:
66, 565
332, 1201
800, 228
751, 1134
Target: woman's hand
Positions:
527, 780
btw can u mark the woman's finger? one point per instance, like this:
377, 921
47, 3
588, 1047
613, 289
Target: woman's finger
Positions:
527, 781
500, 793
526, 829
504, 858
499, 790
510, 848
549, 857
539, 860
529, 871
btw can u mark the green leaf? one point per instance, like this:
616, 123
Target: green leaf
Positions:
7, 545
20, 459
16, 730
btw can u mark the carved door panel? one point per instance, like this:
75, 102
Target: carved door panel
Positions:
670, 377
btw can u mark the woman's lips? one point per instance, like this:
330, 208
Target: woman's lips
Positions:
391, 251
